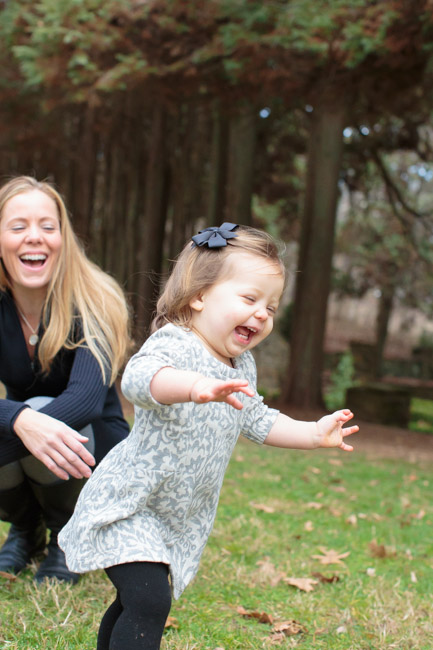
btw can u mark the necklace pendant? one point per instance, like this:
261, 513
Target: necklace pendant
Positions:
33, 339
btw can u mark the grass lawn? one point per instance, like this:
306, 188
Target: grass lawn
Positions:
356, 534
421, 415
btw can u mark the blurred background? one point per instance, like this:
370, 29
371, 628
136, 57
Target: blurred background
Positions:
310, 119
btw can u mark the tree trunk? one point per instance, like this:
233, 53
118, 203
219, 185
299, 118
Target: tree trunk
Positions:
315, 257
382, 321
243, 134
149, 250
219, 168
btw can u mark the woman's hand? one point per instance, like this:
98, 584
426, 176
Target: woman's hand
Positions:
55, 444
207, 389
330, 430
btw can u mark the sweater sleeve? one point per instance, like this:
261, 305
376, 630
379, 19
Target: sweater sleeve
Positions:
84, 397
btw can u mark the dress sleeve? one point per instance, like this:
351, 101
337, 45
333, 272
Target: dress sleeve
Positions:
165, 348
84, 397
257, 417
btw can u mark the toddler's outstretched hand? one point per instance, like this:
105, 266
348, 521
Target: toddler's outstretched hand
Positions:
207, 389
331, 432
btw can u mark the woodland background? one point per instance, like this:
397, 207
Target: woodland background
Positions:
311, 119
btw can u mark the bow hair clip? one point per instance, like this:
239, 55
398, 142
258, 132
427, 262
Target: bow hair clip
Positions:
215, 237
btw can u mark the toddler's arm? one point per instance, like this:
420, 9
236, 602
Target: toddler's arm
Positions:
326, 432
171, 386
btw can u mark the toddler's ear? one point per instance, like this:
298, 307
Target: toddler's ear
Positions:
197, 303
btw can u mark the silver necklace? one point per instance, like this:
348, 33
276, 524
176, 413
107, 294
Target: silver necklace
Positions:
34, 336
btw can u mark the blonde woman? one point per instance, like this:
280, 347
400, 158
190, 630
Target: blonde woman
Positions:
63, 339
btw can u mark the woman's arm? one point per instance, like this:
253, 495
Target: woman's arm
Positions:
84, 397
55, 444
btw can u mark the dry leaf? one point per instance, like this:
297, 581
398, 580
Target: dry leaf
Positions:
304, 584
8, 576
330, 556
287, 628
315, 470
371, 572
268, 569
413, 577
335, 461
261, 617
171, 622
379, 550
263, 507
309, 526
323, 578
314, 505
352, 520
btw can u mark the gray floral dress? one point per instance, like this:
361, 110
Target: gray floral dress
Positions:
154, 496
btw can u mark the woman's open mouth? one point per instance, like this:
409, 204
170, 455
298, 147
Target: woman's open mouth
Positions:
33, 260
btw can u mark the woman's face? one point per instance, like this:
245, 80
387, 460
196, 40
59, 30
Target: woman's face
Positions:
30, 239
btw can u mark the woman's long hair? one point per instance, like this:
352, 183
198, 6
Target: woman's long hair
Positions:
80, 296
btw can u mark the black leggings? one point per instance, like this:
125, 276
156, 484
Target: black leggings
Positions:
136, 619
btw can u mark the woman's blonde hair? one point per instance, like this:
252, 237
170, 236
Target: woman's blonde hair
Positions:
80, 297
198, 267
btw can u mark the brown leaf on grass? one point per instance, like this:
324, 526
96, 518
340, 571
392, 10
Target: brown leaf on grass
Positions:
171, 622
329, 556
8, 576
272, 575
352, 520
261, 617
321, 578
308, 526
380, 550
314, 505
304, 584
262, 506
284, 629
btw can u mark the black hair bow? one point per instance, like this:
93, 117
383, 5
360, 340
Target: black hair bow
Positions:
215, 237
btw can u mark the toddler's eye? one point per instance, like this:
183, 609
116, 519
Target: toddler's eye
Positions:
272, 310
250, 298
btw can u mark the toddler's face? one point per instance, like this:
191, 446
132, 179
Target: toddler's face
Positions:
237, 313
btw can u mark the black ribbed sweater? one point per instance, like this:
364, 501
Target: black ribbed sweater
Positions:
75, 381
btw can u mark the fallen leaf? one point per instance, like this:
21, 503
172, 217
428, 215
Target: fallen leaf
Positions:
171, 622
371, 572
379, 550
314, 505
323, 578
261, 617
330, 556
273, 576
413, 577
352, 520
8, 576
289, 628
263, 507
309, 526
419, 515
304, 584
335, 461
315, 470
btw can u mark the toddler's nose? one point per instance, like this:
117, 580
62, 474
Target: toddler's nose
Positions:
261, 313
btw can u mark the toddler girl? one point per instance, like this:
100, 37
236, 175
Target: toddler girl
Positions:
146, 513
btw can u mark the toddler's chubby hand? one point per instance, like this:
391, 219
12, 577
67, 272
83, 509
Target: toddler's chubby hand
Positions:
208, 389
330, 430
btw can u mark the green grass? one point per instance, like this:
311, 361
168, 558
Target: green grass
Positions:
314, 499
421, 415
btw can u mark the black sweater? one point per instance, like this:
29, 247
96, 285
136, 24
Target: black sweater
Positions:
75, 381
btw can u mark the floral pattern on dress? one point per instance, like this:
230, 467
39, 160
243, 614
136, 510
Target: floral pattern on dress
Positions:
154, 496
